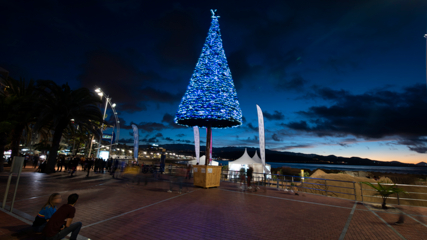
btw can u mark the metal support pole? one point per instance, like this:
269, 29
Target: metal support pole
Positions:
91, 142
16, 189
102, 126
277, 181
7, 190
361, 191
326, 188
398, 199
354, 187
111, 142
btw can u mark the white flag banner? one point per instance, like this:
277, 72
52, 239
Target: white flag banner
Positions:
135, 141
261, 137
197, 142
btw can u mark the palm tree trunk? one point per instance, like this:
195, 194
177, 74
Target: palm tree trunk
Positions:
16, 139
53, 152
3, 137
383, 205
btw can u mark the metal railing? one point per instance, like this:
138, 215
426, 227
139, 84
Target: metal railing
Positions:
397, 195
288, 181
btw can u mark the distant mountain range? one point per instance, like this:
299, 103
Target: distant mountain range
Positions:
232, 153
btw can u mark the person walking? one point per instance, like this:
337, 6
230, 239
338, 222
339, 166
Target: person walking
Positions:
170, 169
242, 178
35, 161
89, 163
74, 164
56, 229
115, 166
249, 173
182, 172
62, 162
25, 161
67, 162
58, 164
189, 169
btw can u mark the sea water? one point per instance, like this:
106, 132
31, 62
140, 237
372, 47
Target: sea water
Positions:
345, 167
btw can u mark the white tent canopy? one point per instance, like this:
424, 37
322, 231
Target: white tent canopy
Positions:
203, 161
256, 158
245, 162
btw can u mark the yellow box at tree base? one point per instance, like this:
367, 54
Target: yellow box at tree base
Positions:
207, 176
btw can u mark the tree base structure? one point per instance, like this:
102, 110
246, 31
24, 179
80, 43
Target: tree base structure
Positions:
207, 176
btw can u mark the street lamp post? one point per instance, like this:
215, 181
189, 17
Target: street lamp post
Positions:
117, 126
102, 125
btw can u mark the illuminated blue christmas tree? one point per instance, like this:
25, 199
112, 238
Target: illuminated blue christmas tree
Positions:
211, 99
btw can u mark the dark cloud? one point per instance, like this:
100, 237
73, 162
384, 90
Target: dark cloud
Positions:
252, 127
372, 115
296, 146
151, 126
296, 83
182, 38
127, 140
153, 140
180, 135
168, 139
184, 141
339, 64
159, 96
159, 135
122, 80
326, 93
275, 116
418, 145
169, 119
253, 140
276, 138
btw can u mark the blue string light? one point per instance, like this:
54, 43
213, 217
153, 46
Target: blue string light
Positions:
211, 98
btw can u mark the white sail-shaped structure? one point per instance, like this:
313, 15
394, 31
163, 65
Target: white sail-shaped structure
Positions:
245, 161
256, 158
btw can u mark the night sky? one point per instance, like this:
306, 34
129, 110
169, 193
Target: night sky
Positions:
346, 78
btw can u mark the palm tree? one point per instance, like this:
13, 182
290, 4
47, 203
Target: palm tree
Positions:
60, 104
385, 191
6, 123
24, 110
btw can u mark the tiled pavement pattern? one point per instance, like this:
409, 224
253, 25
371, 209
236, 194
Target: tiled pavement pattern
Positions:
120, 209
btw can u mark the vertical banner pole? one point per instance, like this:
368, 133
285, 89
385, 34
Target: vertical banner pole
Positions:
197, 142
261, 137
135, 141
208, 145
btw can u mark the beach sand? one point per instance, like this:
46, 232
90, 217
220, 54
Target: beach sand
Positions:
340, 184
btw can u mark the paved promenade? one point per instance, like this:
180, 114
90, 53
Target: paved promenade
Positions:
119, 209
